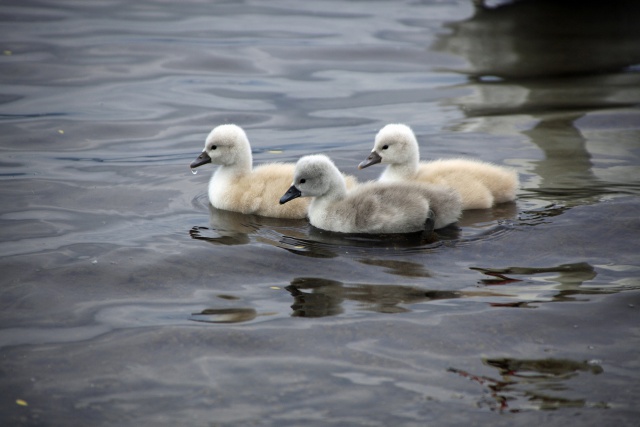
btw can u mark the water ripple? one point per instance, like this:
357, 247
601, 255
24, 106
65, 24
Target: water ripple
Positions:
300, 238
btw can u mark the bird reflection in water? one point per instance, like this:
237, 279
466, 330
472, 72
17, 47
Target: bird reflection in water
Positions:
298, 237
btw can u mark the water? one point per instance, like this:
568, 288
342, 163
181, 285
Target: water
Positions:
125, 299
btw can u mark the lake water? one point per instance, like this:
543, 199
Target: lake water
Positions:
126, 300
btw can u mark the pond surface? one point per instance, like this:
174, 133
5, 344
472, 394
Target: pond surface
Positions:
126, 300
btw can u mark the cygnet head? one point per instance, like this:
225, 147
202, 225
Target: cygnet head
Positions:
395, 144
315, 176
226, 145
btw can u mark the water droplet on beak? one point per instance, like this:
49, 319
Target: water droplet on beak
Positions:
193, 171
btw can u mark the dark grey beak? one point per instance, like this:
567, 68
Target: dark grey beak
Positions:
292, 193
202, 159
371, 160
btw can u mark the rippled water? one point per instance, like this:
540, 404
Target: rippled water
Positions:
125, 299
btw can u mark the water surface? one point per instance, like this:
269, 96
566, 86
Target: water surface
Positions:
126, 299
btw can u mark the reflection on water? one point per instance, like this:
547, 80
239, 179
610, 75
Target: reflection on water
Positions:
566, 171
542, 215
560, 283
532, 384
326, 302
540, 285
327, 297
533, 38
540, 369
126, 297
515, 53
481, 217
224, 315
233, 228
298, 237
319, 297
542, 98
397, 267
568, 275
556, 115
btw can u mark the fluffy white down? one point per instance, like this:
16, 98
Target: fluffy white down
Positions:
371, 207
237, 186
480, 184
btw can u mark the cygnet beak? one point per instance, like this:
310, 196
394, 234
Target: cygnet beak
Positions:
202, 159
292, 193
371, 160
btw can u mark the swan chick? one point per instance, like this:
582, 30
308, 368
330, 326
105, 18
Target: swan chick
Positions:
237, 186
371, 207
480, 184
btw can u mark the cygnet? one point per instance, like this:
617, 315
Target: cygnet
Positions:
480, 184
372, 207
237, 186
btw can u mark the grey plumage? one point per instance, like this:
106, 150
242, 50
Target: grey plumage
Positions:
372, 207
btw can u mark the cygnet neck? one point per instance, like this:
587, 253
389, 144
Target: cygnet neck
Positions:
406, 170
336, 190
241, 163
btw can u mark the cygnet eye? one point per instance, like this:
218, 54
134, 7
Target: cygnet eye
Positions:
302, 181
213, 147
384, 147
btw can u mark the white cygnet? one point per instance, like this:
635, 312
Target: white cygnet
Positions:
237, 186
480, 184
372, 207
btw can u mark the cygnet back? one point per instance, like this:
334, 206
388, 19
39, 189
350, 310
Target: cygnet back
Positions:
480, 184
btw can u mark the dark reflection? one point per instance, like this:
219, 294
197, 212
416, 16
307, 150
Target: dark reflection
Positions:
407, 240
554, 60
535, 38
300, 238
224, 315
541, 215
321, 242
486, 224
569, 275
566, 170
538, 381
219, 237
548, 97
541, 368
324, 300
234, 228
326, 297
567, 280
501, 212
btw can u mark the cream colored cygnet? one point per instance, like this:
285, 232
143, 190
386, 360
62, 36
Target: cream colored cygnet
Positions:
372, 207
480, 184
237, 186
